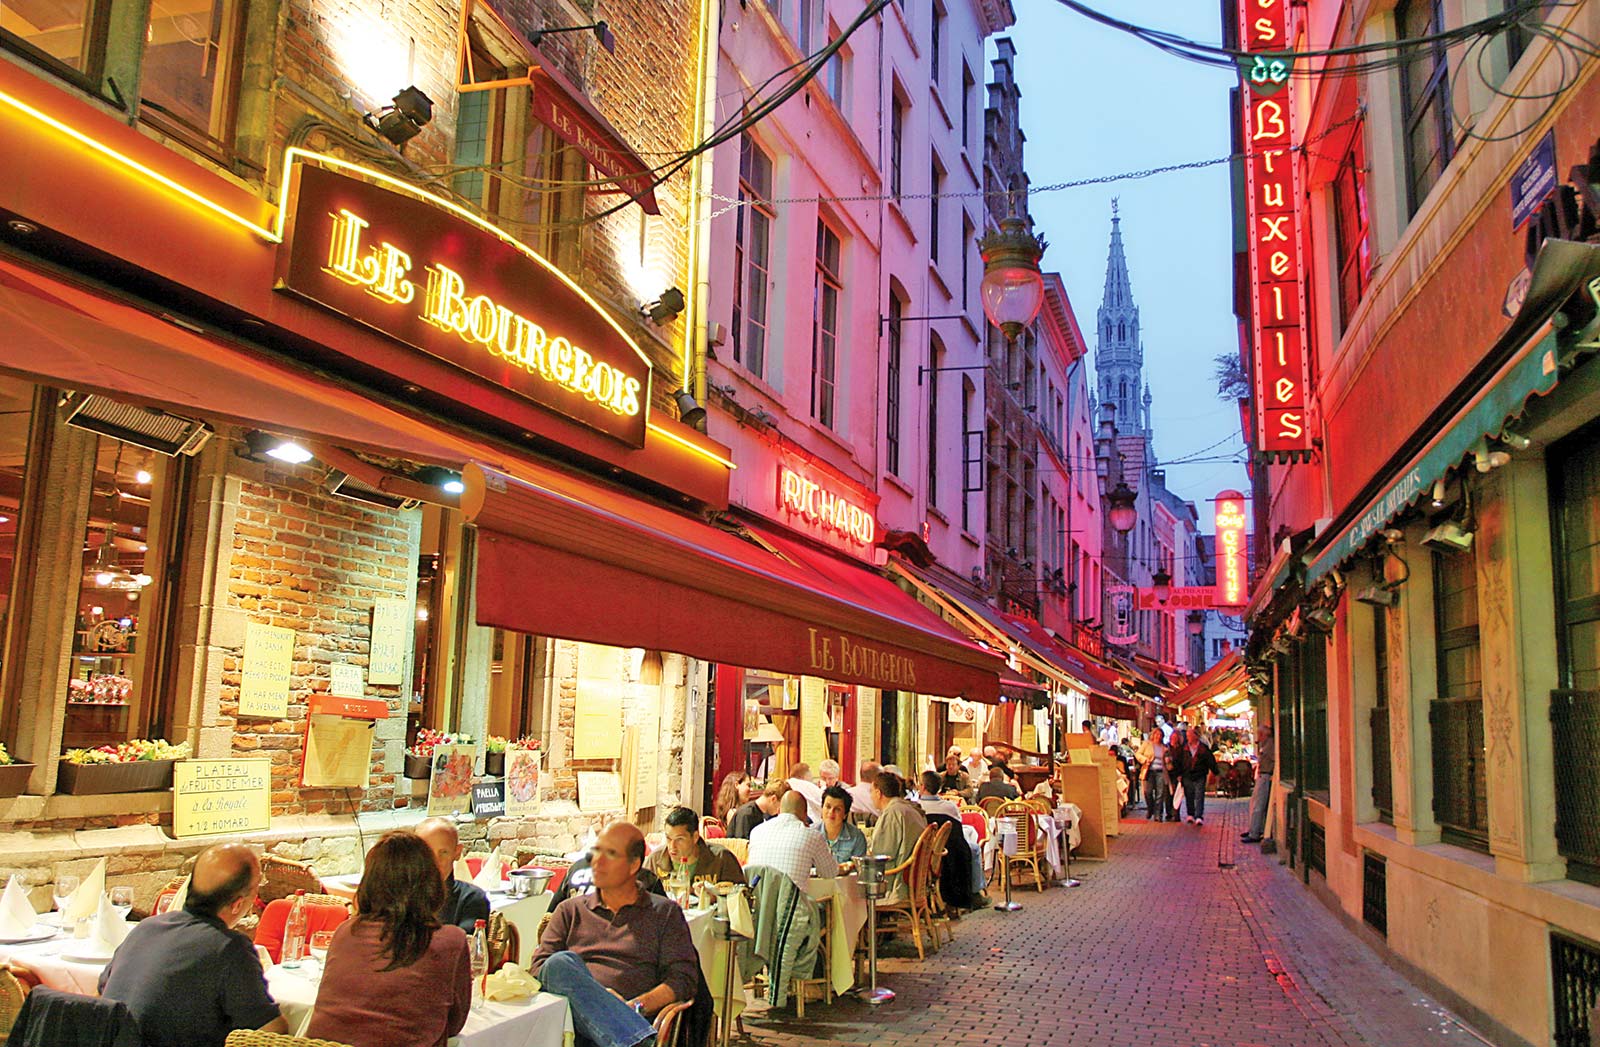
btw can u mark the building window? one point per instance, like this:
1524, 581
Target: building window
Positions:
968, 245
190, 74
1460, 782
752, 257
935, 362
1425, 98
935, 42
897, 132
1382, 780
825, 325
937, 184
891, 391
969, 89
1575, 710
969, 459
834, 79
1350, 227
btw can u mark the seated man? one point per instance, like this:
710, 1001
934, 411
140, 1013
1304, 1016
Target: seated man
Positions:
930, 800
579, 879
898, 828
189, 977
998, 786
747, 816
955, 779
997, 759
846, 841
618, 955
687, 849
787, 844
800, 781
828, 772
861, 792
465, 903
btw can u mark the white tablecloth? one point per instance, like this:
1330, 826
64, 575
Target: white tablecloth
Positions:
847, 912
540, 1021
53, 969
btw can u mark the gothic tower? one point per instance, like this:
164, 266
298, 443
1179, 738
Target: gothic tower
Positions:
1119, 358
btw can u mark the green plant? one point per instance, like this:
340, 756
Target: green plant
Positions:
495, 744
5, 757
129, 752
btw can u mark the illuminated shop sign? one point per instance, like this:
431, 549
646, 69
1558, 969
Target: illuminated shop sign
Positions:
824, 508
1272, 186
839, 656
1233, 572
458, 291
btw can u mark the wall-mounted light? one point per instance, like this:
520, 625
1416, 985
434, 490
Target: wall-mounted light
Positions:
663, 309
1486, 458
602, 33
1515, 441
1438, 493
446, 480
690, 412
1161, 583
260, 446
404, 119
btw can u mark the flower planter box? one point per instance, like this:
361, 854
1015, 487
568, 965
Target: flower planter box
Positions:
494, 765
419, 767
14, 779
140, 776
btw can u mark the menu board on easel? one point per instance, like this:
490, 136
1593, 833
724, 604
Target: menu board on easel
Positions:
597, 718
338, 752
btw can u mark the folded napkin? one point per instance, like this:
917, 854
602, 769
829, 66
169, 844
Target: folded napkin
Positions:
489, 874
85, 901
263, 957
17, 915
509, 983
181, 897
739, 919
110, 928
462, 870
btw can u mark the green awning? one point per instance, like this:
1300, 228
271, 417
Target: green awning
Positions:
1532, 372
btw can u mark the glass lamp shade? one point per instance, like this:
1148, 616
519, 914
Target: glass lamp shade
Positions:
1161, 584
1122, 513
1013, 290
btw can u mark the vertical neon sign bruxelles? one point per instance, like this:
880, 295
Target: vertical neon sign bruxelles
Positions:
1232, 565
1272, 186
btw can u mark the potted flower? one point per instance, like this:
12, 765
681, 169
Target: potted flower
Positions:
494, 757
13, 774
140, 765
419, 756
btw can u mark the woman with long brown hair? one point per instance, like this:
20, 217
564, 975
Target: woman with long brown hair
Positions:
735, 790
394, 977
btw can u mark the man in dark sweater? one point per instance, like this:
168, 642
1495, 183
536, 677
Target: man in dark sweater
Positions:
188, 976
465, 903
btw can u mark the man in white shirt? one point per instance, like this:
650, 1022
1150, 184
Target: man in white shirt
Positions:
800, 781
827, 774
930, 800
861, 792
787, 844
1109, 735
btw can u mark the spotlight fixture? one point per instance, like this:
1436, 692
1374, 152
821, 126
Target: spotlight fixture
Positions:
1449, 537
261, 446
663, 309
1515, 441
1321, 618
690, 412
402, 120
1438, 493
1486, 458
446, 480
1376, 596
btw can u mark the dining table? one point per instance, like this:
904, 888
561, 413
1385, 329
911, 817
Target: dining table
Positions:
540, 1020
53, 959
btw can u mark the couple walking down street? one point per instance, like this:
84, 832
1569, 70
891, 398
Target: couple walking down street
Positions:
1176, 762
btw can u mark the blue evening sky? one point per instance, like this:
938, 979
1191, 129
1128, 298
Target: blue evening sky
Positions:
1096, 101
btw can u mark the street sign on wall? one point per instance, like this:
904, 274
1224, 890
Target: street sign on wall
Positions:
1534, 180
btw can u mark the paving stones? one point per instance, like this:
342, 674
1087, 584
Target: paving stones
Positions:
1182, 939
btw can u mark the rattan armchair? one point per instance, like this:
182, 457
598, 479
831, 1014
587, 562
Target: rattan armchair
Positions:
257, 1038
1027, 840
672, 1025
281, 877
913, 909
991, 804
12, 993
938, 914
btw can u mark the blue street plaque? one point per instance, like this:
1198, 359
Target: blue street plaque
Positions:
1534, 180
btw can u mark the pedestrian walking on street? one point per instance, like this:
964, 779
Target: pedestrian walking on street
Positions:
1177, 757
1152, 758
1266, 766
1199, 764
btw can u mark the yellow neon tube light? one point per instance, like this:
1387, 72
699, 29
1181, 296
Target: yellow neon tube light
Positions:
691, 445
141, 169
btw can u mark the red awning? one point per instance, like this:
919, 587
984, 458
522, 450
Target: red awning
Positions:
562, 556
1099, 706
1226, 675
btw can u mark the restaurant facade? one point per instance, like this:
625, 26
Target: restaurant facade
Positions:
1421, 622
332, 421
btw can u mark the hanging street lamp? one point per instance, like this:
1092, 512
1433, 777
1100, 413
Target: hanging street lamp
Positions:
1122, 513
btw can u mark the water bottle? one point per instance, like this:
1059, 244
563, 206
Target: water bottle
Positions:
478, 954
294, 932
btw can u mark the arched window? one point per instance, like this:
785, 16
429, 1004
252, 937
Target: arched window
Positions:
1122, 330
1122, 392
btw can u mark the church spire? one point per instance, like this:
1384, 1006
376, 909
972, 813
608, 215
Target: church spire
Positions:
1119, 357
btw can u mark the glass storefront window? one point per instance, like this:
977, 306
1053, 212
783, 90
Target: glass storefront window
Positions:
115, 652
190, 63
63, 31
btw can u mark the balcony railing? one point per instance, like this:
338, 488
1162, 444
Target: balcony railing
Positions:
1575, 728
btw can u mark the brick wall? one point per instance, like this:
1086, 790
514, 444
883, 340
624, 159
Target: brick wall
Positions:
314, 563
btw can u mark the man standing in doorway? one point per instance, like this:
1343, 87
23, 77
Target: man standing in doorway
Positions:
1266, 766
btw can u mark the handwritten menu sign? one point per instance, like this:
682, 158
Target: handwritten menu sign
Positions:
386, 658
338, 752
599, 791
220, 797
264, 679
522, 782
488, 799
344, 680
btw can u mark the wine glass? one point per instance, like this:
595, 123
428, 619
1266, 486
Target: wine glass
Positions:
65, 886
122, 900
319, 946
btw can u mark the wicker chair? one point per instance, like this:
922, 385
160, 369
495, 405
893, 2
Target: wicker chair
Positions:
938, 913
740, 849
257, 1038
913, 909
12, 993
1027, 840
281, 877
505, 944
672, 1025
990, 804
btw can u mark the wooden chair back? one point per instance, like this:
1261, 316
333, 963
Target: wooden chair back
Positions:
505, 943
1027, 832
991, 804
740, 849
713, 829
281, 877
257, 1038
12, 993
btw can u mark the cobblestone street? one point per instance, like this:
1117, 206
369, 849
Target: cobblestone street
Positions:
1161, 945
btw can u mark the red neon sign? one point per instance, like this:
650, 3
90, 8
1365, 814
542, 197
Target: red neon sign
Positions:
1277, 270
810, 500
1233, 572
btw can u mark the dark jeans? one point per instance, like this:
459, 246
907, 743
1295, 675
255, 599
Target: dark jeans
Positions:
598, 1017
1157, 798
1194, 794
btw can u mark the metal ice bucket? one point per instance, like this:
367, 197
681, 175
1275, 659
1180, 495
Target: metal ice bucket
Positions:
869, 873
528, 882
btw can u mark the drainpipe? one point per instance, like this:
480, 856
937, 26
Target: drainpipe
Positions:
698, 306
